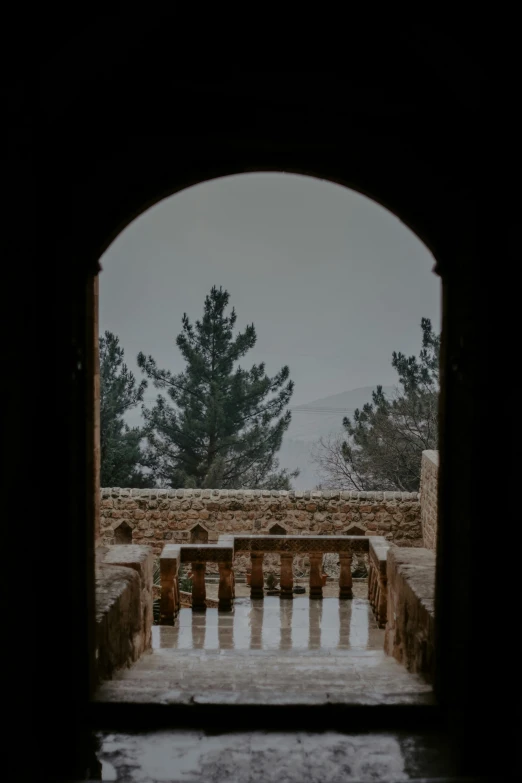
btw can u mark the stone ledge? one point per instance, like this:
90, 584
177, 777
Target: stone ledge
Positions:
410, 614
139, 557
297, 544
118, 618
125, 614
220, 494
379, 552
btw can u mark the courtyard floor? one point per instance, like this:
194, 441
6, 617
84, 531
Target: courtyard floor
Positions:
270, 651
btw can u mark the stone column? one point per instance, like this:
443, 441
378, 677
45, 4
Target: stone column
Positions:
374, 588
370, 580
169, 600
345, 575
225, 590
316, 571
287, 576
256, 582
199, 591
381, 608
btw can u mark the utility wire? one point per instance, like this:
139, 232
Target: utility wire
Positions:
293, 410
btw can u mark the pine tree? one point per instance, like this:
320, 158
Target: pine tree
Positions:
121, 454
382, 446
222, 425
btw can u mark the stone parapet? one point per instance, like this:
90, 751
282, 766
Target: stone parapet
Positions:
377, 577
409, 633
179, 516
124, 616
428, 497
118, 619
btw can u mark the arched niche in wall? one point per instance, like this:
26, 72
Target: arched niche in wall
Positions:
123, 534
199, 535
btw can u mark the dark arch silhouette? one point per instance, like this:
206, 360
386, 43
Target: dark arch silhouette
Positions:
114, 125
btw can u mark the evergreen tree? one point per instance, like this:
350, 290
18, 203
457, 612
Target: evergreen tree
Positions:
222, 425
382, 446
119, 444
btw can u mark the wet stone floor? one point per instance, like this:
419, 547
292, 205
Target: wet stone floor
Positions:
270, 651
263, 757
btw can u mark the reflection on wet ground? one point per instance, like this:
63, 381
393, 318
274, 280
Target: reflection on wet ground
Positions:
275, 624
299, 652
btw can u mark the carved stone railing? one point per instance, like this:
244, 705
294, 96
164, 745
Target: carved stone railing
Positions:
222, 553
288, 546
377, 580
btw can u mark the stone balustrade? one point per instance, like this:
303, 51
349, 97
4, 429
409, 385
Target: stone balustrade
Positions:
223, 553
377, 579
169, 572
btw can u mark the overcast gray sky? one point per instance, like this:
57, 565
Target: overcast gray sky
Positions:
332, 281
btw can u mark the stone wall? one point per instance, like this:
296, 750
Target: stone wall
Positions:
123, 606
428, 497
156, 517
409, 635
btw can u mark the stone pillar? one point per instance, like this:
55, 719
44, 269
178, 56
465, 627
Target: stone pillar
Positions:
382, 608
256, 582
287, 576
370, 579
316, 572
374, 588
345, 575
199, 590
225, 590
169, 600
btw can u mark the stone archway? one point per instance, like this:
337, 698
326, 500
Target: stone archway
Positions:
277, 530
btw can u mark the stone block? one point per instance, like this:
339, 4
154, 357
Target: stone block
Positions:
409, 633
119, 631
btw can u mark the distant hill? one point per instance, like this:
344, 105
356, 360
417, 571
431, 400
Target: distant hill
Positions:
307, 426
314, 420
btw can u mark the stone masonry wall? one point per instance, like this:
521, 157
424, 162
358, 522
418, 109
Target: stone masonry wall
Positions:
428, 497
159, 516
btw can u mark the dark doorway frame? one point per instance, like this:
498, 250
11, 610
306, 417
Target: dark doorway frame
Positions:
123, 126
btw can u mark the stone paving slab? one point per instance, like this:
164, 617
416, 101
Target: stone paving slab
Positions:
270, 652
245, 757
